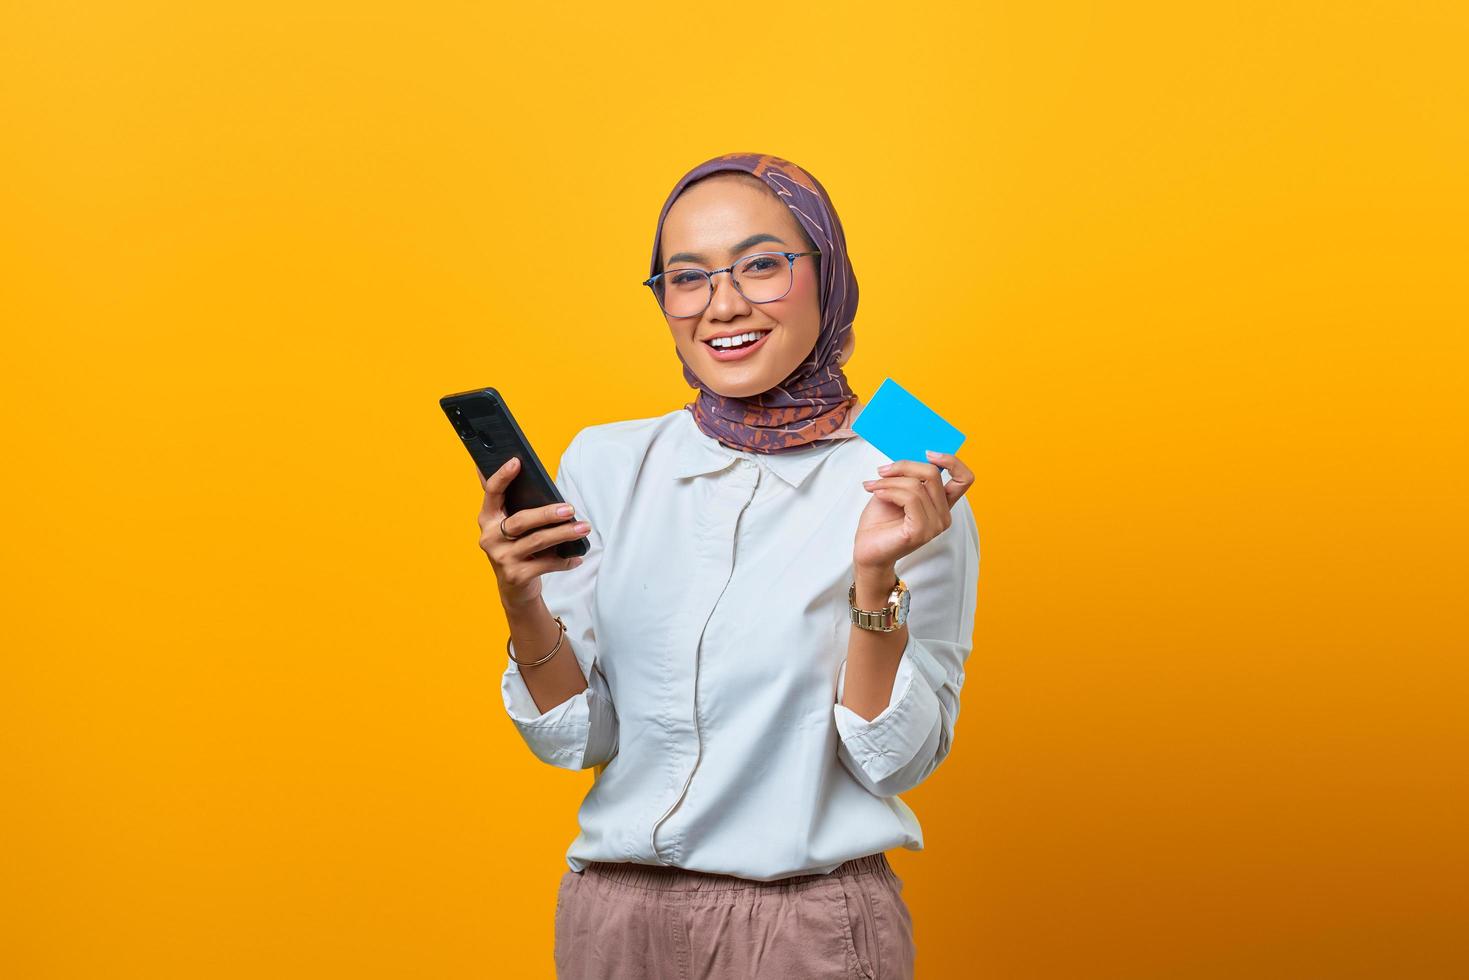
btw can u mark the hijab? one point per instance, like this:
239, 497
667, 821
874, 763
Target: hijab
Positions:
814, 402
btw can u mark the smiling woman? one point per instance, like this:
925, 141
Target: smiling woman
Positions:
760, 650
704, 230
754, 268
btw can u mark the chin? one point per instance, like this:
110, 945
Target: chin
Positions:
745, 391
742, 379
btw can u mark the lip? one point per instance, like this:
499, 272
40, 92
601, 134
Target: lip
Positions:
735, 355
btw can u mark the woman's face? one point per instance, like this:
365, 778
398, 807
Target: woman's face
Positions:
712, 224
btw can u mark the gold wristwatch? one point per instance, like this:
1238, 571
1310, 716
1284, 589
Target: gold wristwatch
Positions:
891, 617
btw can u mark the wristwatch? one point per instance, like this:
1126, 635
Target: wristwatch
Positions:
891, 617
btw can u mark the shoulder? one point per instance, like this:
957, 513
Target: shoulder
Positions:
857, 455
605, 461
614, 454
625, 440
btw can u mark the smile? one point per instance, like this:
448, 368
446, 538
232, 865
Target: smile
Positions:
745, 349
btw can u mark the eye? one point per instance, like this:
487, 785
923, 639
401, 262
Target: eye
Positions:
758, 265
687, 278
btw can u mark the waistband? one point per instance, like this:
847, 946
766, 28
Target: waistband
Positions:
659, 877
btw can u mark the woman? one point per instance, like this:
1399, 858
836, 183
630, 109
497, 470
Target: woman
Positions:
751, 728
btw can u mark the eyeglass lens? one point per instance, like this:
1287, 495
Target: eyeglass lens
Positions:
761, 278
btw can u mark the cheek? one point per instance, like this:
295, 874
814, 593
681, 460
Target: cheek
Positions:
804, 291
682, 331
801, 307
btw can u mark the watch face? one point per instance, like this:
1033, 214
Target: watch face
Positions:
901, 616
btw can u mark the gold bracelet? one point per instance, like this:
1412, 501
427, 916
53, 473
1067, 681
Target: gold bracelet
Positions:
537, 663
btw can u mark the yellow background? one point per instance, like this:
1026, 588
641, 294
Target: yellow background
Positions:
1190, 277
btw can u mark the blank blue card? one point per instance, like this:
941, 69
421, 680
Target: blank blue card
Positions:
902, 427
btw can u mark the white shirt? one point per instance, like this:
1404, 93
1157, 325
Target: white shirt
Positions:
710, 618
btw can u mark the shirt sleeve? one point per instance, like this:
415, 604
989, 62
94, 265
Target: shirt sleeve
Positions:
896, 750
581, 731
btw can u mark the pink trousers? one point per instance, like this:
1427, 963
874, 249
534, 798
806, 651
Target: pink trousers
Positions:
643, 922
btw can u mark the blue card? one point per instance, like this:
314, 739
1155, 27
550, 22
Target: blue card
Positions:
902, 427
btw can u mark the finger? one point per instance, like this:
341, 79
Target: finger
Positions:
915, 506
546, 537
911, 496
525, 521
554, 563
961, 476
496, 484
931, 491
911, 467
932, 480
507, 553
523, 572
935, 487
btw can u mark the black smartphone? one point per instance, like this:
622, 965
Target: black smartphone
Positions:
489, 432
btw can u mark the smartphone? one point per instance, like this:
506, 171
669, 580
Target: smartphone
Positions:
489, 432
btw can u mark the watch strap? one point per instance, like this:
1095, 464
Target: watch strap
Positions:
877, 620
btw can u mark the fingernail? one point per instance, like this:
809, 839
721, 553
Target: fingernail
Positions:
934, 455
563, 511
583, 526
885, 467
868, 483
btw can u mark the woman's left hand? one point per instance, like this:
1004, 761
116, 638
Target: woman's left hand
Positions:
909, 508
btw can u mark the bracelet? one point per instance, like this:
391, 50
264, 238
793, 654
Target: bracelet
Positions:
537, 663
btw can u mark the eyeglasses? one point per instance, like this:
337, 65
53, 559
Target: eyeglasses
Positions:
760, 278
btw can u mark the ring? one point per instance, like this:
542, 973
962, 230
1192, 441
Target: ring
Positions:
503, 532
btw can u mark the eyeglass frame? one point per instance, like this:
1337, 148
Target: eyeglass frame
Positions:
791, 257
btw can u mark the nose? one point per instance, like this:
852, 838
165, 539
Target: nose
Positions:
727, 302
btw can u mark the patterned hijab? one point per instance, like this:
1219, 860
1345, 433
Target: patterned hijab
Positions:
814, 402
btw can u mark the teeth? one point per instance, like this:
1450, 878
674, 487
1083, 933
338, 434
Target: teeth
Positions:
735, 340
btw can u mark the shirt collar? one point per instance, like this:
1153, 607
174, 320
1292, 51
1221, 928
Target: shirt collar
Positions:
699, 453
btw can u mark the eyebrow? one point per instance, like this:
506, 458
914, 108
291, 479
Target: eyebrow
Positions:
734, 249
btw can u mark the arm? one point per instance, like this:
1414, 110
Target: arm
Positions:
563, 708
898, 693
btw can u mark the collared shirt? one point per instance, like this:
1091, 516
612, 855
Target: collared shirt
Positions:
710, 618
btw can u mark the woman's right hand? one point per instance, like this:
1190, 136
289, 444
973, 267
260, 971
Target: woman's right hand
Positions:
516, 564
